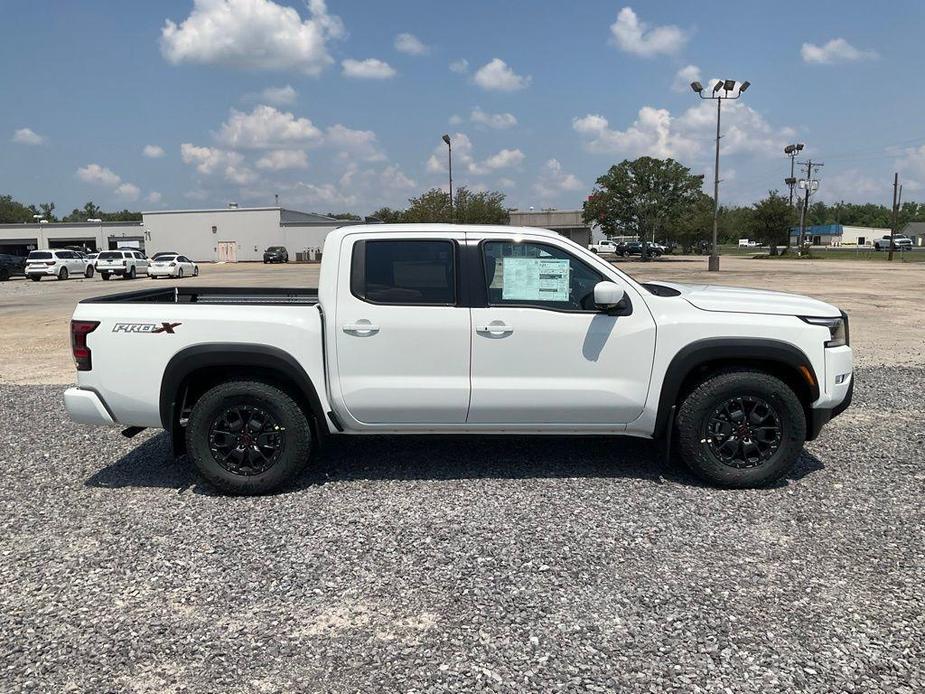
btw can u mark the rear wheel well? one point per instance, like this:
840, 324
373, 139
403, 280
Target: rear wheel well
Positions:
198, 382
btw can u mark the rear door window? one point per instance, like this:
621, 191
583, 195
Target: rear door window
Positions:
404, 272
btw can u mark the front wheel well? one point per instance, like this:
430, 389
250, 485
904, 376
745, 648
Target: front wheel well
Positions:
790, 375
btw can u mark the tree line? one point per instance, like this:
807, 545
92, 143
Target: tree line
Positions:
14, 212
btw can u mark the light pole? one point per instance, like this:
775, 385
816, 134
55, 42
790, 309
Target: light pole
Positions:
792, 151
725, 86
449, 147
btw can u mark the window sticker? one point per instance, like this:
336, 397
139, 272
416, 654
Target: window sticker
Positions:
535, 279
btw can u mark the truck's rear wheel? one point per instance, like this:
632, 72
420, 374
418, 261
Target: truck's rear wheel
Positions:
248, 437
741, 428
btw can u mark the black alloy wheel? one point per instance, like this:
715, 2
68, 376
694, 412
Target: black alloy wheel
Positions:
246, 440
743, 432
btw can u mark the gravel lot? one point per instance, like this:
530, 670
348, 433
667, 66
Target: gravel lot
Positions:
460, 565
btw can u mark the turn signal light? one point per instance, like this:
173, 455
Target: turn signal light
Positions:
79, 331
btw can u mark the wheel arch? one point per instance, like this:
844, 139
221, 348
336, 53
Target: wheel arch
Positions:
697, 360
192, 371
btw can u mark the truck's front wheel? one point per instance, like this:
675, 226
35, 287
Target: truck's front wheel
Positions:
248, 437
741, 428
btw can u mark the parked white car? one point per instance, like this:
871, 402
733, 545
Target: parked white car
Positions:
746, 243
603, 246
57, 263
178, 266
899, 241
122, 263
456, 329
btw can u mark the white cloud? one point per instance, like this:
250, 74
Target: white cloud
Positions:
499, 121
153, 151
278, 96
153, 197
650, 134
462, 157
684, 77
835, 51
252, 34
460, 67
129, 191
99, 175
107, 178
656, 133
267, 128
359, 144
410, 44
507, 183
553, 181
636, 37
455, 119
27, 136
282, 159
497, 76
210, 160
504, 159
369, 69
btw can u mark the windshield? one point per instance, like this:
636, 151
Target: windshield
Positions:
39, 255
275, 249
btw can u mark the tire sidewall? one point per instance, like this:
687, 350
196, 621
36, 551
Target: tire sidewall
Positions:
704, 399
297, 437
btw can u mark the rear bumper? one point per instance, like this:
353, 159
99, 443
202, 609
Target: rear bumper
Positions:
162, 272
87, 407
112, 270
51, 271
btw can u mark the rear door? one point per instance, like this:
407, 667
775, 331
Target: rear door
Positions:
542, 354
401, 334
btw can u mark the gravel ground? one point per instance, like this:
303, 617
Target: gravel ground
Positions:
464, 564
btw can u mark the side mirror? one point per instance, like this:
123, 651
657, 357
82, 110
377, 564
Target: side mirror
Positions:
608, 295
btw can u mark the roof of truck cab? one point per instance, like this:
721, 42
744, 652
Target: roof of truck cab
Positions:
441, 228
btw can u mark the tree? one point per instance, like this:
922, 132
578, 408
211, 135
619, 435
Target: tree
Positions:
47, 210
642, 197
485, 207
387, 215
91, 211
771, 221
13, 212
695, 225
432, 206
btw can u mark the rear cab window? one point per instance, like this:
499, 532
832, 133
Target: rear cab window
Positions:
414, 272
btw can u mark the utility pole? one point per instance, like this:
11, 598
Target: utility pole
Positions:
809, 186
792, 151
896, 193
449, 146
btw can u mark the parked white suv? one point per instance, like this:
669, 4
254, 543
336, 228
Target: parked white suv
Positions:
125, 263
178, 266
899, 241
604, 246
60, 264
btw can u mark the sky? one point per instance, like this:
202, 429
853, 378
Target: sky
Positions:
340, 105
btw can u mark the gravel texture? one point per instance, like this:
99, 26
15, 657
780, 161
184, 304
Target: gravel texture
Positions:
464, 564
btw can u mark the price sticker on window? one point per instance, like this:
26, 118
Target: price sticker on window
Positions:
535, 279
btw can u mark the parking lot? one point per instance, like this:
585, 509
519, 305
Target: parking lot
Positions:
416, 564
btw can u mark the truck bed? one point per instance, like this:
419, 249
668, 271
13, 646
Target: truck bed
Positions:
212, 295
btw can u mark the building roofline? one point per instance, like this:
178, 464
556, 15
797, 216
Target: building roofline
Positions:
237, 209
59, 225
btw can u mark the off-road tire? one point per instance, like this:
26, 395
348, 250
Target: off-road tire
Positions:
697, 408
296, 437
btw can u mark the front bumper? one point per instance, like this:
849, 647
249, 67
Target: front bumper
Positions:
838, 389
87, 407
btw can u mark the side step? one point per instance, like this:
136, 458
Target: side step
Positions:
132, 431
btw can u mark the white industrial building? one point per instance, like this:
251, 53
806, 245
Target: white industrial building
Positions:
227, 234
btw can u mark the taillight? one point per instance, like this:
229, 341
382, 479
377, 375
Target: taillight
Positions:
123, 263
49, 263
79, 331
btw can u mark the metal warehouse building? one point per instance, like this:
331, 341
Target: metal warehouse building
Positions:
227, 234
838, 235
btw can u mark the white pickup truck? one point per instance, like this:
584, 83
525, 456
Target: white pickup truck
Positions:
451, 329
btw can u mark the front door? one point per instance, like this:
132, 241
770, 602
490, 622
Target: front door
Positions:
402, 340
542, 354
227, 252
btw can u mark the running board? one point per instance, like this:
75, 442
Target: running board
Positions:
132, 431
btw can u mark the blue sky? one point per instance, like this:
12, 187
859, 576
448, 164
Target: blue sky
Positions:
340, 106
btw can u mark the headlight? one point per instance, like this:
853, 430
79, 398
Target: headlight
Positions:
838, 329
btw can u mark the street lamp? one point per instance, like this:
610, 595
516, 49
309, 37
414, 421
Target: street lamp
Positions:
792, 151
449, 147
725, 86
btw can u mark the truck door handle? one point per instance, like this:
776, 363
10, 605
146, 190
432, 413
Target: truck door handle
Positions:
361, 327
496, 327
